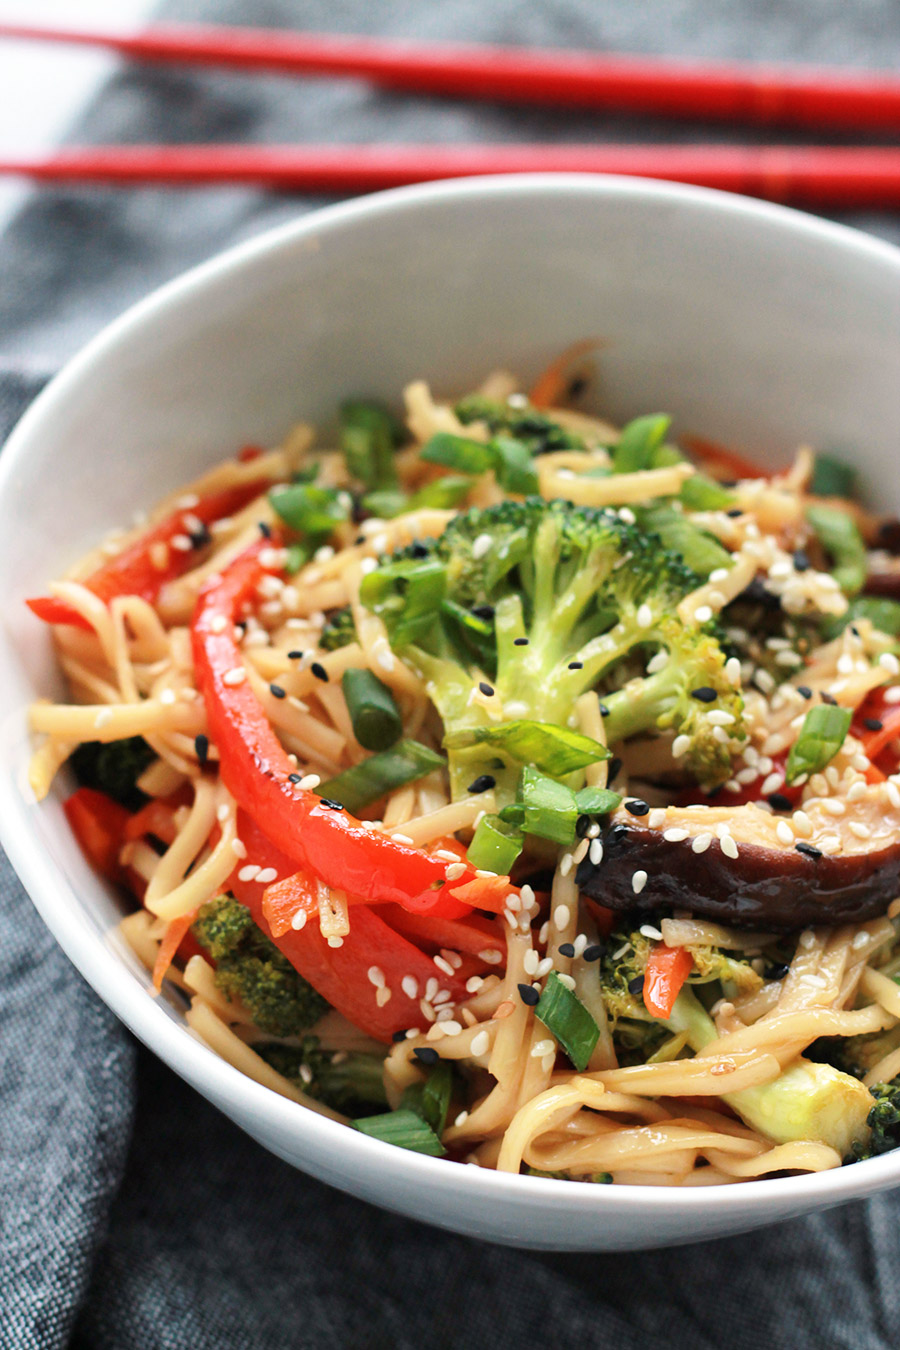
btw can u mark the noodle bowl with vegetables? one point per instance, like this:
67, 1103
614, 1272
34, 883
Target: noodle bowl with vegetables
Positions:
509, 786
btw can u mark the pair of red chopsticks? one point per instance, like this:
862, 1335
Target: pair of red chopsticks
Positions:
820, 176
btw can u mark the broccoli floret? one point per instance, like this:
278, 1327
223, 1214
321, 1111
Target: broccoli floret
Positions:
883, 1120
807, 1101
250, 967
543, 601
114, 767
523, 422
347, 1082
339, 631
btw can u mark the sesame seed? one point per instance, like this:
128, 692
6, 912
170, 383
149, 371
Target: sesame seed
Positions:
486, 688
784, 833
675, 834
249, 873
596, 852
520, 642
481, 545
530, 962
402, 839
455, 871
701, 842
561, 916
239, 848
892, 695
719, 718
529, 995
808, 849
480, 1044
859, 829
644, 616
567, 980
335, 942
637, 807
222, 813
541, 1048
893, 794
704, 694
425, 1054
889, 662
680, 746
235, 676
566, 863
483, 783
443, 965
266, 875
490, 956
473, 984
872, 724
856, 791
639, 881
733, 670
703, 614
729, 846
309, 782
299, 920
375, 976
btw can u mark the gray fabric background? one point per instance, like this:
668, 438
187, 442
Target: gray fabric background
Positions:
131, 1213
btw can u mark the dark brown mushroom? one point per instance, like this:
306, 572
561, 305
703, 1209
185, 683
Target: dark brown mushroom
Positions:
827, 876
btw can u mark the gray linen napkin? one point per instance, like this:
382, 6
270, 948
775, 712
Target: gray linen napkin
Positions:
132, 1214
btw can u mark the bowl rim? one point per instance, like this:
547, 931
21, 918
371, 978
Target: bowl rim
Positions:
103, 968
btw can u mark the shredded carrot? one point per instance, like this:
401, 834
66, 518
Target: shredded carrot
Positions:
550, 387
175, 933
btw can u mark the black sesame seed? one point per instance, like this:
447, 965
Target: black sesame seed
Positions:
483, 611
201, 748
604, 711
636, 986
776, 971
804, 691
483, 783
200, 537
426, 1054
319, 671
828, 698
705, 694
617, 833
294, 777
808, 849
417, 549
295, 656
577, 385
592, 953
265, 529
801, 561
637, 807
576, 665
566, 949
779, 802
854, 630
582, 825
398, 1036
332, 805
520, 642
276, 691
486, 688
872, 723
728, 482
735, 512
528, 995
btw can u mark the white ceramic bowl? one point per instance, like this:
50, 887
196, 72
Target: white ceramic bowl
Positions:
753, 324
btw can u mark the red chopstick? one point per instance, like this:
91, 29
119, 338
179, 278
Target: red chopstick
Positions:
732, 91
821, 176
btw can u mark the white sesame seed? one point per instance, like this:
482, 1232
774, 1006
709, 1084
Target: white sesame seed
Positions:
402, 839
103, 716
729, 846
889, 662
375, 975
657, 818
830, 843
733, 670
650, 932
548, 1061
480, 1044
385, 658
680, 746
530, 962
596, 852
544, 967
580, 943
789, 658
806, 940
644, 616
860, 939
802, 823
857, 790
772, 783
675, 834
455, 871
299, 920
239, 848
473, 984
235, 676
784, 833
703, 614
701, 842
593, 831
223, 812
431, 987
893, 794
892, 695
561, 916
566, 863
426, 1010
658, 662
763, 680
490, 956
335, 942
442, 996
833, 806
861, 763
481, 545
859, 829
567, 981
638, 881
719, 718
266, 876
541, 1048
218, 623
451, 1026
580, 852
444, 1017
249, 873
461, 1120
720, 734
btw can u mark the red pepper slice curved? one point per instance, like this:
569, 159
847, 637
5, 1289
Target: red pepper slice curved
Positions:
256, 770
133, 571
876, 739
98, 824
666, 971
341, 974
722, 461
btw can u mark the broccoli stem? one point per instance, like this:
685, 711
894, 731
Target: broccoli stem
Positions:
808, 1100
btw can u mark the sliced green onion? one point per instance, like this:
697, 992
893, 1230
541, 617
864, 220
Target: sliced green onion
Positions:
639, 442
441, 495
297, 556
386, 503
596, 801
832, 477
700, 493
311, 511
602, 1178
380, 774
473, 632
839, 535
514, 466
403, 1129
458, 452
553, 749
821, 737
406, 594
565, 1017
550, 807
376, 719
697, 549
431, 1099
514, 815
882, 613
495, 845
369, 436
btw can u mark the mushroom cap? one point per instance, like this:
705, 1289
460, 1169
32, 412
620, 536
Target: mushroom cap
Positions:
835, 876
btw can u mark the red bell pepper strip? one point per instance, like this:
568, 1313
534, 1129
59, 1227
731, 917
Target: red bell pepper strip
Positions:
98, 824
472, 935
341, 974
171, 943
666, 971
328, 842
133, 571
876, 739
722, 461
